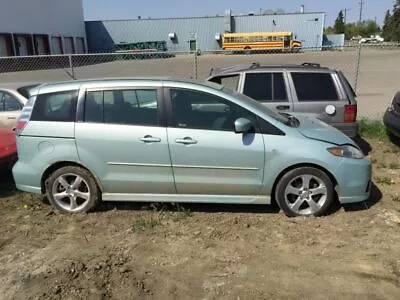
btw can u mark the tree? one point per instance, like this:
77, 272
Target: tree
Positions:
368, 28
329, 30
339, 26
387, 26
395, 24
351, 30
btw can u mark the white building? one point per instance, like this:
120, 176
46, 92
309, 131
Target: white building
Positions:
38, 27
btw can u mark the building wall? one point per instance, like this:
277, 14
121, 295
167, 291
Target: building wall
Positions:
103, 35
52, 18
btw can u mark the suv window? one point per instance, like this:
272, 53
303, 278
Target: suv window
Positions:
59, 106
314, 87
128, 106
199, 110
9, 103
265, 87
230, 82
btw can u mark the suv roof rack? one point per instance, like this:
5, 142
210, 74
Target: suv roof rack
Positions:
308, 64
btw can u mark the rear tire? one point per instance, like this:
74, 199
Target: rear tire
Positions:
72, 189
305, 191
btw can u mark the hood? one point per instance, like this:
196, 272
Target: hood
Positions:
318, 130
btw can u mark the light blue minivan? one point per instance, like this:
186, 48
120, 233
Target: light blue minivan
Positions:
170, 140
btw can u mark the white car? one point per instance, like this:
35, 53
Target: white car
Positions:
13, 97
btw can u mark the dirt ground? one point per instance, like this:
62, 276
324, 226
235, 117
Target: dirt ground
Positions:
143, 251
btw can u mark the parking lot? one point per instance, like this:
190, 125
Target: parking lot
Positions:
154, 251
377, 82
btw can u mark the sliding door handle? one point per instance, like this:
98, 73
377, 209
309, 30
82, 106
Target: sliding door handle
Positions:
186, 141
150, 139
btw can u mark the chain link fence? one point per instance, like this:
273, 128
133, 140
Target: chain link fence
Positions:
373, 70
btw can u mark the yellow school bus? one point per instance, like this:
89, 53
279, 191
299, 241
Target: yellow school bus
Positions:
260, 41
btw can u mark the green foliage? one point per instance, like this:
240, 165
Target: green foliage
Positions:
387, 26
372, 129
339, 26
395, 22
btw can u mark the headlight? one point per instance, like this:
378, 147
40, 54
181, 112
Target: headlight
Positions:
346, 151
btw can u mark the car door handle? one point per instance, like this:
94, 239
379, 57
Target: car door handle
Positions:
12, 118
186, 141
150, 139
283, 107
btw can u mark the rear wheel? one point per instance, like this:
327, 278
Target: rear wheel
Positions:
305, 191
72, 189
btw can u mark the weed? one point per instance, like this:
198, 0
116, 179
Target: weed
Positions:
372, 129
143, 224
181, 214
382, 166
395, 149
395, 197
373, 160
384, 180
394, 166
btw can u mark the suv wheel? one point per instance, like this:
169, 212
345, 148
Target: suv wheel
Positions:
305, 191
72, 190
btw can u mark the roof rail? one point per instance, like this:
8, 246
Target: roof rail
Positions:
308, 64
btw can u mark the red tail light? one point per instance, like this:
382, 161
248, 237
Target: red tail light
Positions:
350, 113
20, 126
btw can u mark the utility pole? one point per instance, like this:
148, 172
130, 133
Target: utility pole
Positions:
345, 10
361, 10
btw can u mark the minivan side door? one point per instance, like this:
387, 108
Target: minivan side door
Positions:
315, 93
122, 138
208, 157
269, 88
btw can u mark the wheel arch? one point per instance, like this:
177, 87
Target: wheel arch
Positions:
60, 164
301, 165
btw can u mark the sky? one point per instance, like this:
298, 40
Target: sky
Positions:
131, 9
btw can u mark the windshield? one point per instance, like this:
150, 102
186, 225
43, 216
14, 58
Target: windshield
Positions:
25, 90
279, 117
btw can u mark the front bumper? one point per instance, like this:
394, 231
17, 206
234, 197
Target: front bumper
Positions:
354, 180
392, 122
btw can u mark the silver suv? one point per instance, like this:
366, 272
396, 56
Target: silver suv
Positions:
306, 89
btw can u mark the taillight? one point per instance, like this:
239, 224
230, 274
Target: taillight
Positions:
350, 113
19, 127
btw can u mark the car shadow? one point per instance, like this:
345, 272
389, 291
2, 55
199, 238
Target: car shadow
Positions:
375, 198
185, 207
363, 144
7, 185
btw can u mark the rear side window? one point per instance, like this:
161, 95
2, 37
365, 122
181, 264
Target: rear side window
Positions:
265, 87
314, 87
59, 106
128, 106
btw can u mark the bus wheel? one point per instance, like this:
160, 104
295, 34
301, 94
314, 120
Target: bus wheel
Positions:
247, 50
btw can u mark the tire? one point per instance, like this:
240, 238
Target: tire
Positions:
295, 197
76, 189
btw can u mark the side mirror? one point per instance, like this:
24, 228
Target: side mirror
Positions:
243, 125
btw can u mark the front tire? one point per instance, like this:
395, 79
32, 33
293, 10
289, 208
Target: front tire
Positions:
305, 191
72, 189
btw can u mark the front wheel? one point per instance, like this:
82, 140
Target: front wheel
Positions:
72, 189
305, 191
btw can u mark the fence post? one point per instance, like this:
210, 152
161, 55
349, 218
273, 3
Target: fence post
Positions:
195, 65
358, 67
71, 67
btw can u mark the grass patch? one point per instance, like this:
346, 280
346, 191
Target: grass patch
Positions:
394, 166
145, 224
382, 166
372, 129
395, 198
384, 180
